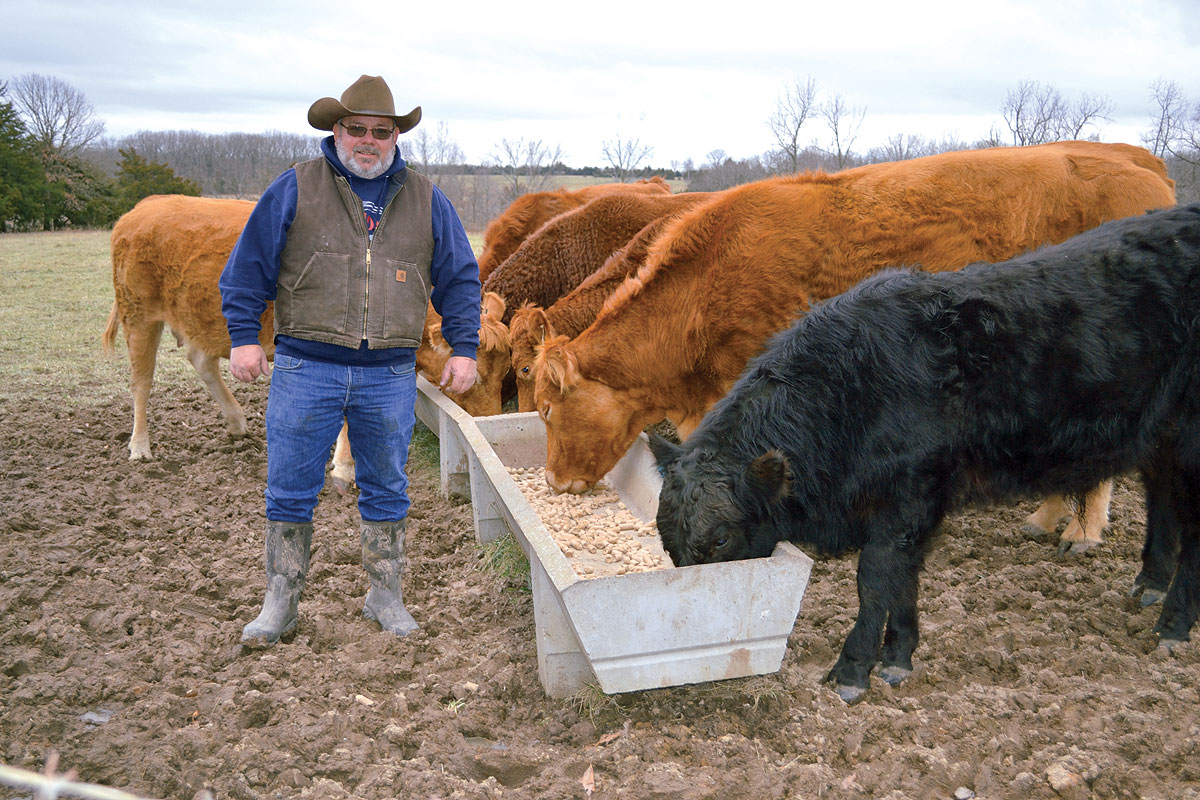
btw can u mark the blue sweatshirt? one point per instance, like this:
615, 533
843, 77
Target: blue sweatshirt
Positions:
250, 276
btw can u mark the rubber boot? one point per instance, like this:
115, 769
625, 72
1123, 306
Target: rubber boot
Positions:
288, 546
383, 559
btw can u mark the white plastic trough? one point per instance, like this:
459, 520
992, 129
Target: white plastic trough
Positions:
626, 632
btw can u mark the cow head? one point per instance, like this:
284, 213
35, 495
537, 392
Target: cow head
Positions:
589, 425
712, 508
527, 329
492, 357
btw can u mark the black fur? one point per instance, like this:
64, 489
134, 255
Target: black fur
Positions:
915, 394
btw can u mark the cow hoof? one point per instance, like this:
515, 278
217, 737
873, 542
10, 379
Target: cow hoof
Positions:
341, 486
1035, 532
140, 455
1169, 644
1066, 548
850, 694
1150, 596
894, 675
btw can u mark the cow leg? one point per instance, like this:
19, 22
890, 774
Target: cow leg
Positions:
1181, 606
887, 596
901, 634
1083, 532
141, 339
209, 369
343, 462
1053, 510
1160, 553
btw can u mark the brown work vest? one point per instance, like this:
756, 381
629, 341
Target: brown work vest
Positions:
339, 286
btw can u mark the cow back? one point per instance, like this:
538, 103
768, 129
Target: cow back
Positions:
167, 255
504, 234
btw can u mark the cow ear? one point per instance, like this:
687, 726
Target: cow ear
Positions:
768, 476
556, 364
541, 324
493, 305
665, 451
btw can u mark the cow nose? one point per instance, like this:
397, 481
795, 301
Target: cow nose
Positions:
576, 486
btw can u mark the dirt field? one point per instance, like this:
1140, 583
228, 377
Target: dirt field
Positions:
124, 587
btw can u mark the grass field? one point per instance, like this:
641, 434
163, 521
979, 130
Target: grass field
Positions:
55, 295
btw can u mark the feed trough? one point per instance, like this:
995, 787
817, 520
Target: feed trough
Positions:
641, 630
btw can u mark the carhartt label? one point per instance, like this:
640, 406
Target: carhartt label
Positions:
401, 275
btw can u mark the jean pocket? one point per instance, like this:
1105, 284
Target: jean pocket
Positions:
400, 370
288, 362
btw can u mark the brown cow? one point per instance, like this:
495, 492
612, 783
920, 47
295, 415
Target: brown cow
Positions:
529, 212
531, 324
560, 254
167, 254
570, 247
729, 273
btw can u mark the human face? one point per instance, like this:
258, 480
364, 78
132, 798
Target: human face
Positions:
365, 156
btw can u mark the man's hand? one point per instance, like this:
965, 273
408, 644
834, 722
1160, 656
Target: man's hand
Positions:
249, 361
458, 375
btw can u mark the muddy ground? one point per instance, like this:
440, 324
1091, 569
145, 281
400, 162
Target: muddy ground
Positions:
124, 587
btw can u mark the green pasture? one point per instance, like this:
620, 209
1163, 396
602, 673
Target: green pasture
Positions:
55, 295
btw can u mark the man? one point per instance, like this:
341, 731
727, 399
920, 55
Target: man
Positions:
351, 246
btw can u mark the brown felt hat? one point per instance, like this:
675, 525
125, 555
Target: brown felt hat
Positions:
369, 96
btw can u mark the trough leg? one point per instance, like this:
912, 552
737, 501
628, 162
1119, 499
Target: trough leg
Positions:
563, 669
141, 339
208, 367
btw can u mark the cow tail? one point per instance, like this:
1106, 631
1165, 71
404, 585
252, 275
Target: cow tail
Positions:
110, 331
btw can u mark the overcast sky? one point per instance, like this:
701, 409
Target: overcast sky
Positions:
683, 78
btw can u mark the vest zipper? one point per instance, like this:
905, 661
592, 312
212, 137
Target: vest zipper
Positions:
367, 293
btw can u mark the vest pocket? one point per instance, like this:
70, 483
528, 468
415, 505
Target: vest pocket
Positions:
320, 297
406, 299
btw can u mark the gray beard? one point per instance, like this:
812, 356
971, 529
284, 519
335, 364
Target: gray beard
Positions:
345, 154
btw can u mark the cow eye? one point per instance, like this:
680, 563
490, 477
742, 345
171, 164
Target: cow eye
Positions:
721, 543
525, 371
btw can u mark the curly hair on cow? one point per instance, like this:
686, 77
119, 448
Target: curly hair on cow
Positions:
915, 394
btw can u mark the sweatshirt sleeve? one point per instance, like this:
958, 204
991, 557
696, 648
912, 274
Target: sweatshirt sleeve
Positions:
248, 281
456, 287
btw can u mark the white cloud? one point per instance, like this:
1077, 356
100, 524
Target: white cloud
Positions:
686, 80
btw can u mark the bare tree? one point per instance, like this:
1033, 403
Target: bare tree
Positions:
56, 114
525, 165
898, 147
1037, 114
1169, 117
624, 155
844, 124
432, 154
796, 105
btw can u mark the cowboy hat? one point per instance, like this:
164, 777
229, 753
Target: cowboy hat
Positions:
368, 96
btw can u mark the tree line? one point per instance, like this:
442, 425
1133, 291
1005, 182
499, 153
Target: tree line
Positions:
57, 169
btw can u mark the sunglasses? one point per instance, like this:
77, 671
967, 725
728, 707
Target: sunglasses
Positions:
358, 131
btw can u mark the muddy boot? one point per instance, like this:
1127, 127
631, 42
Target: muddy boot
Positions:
288, 545
383, 559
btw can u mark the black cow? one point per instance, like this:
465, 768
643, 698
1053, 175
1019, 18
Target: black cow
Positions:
915, 394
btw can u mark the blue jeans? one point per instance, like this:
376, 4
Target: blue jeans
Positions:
305, 408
